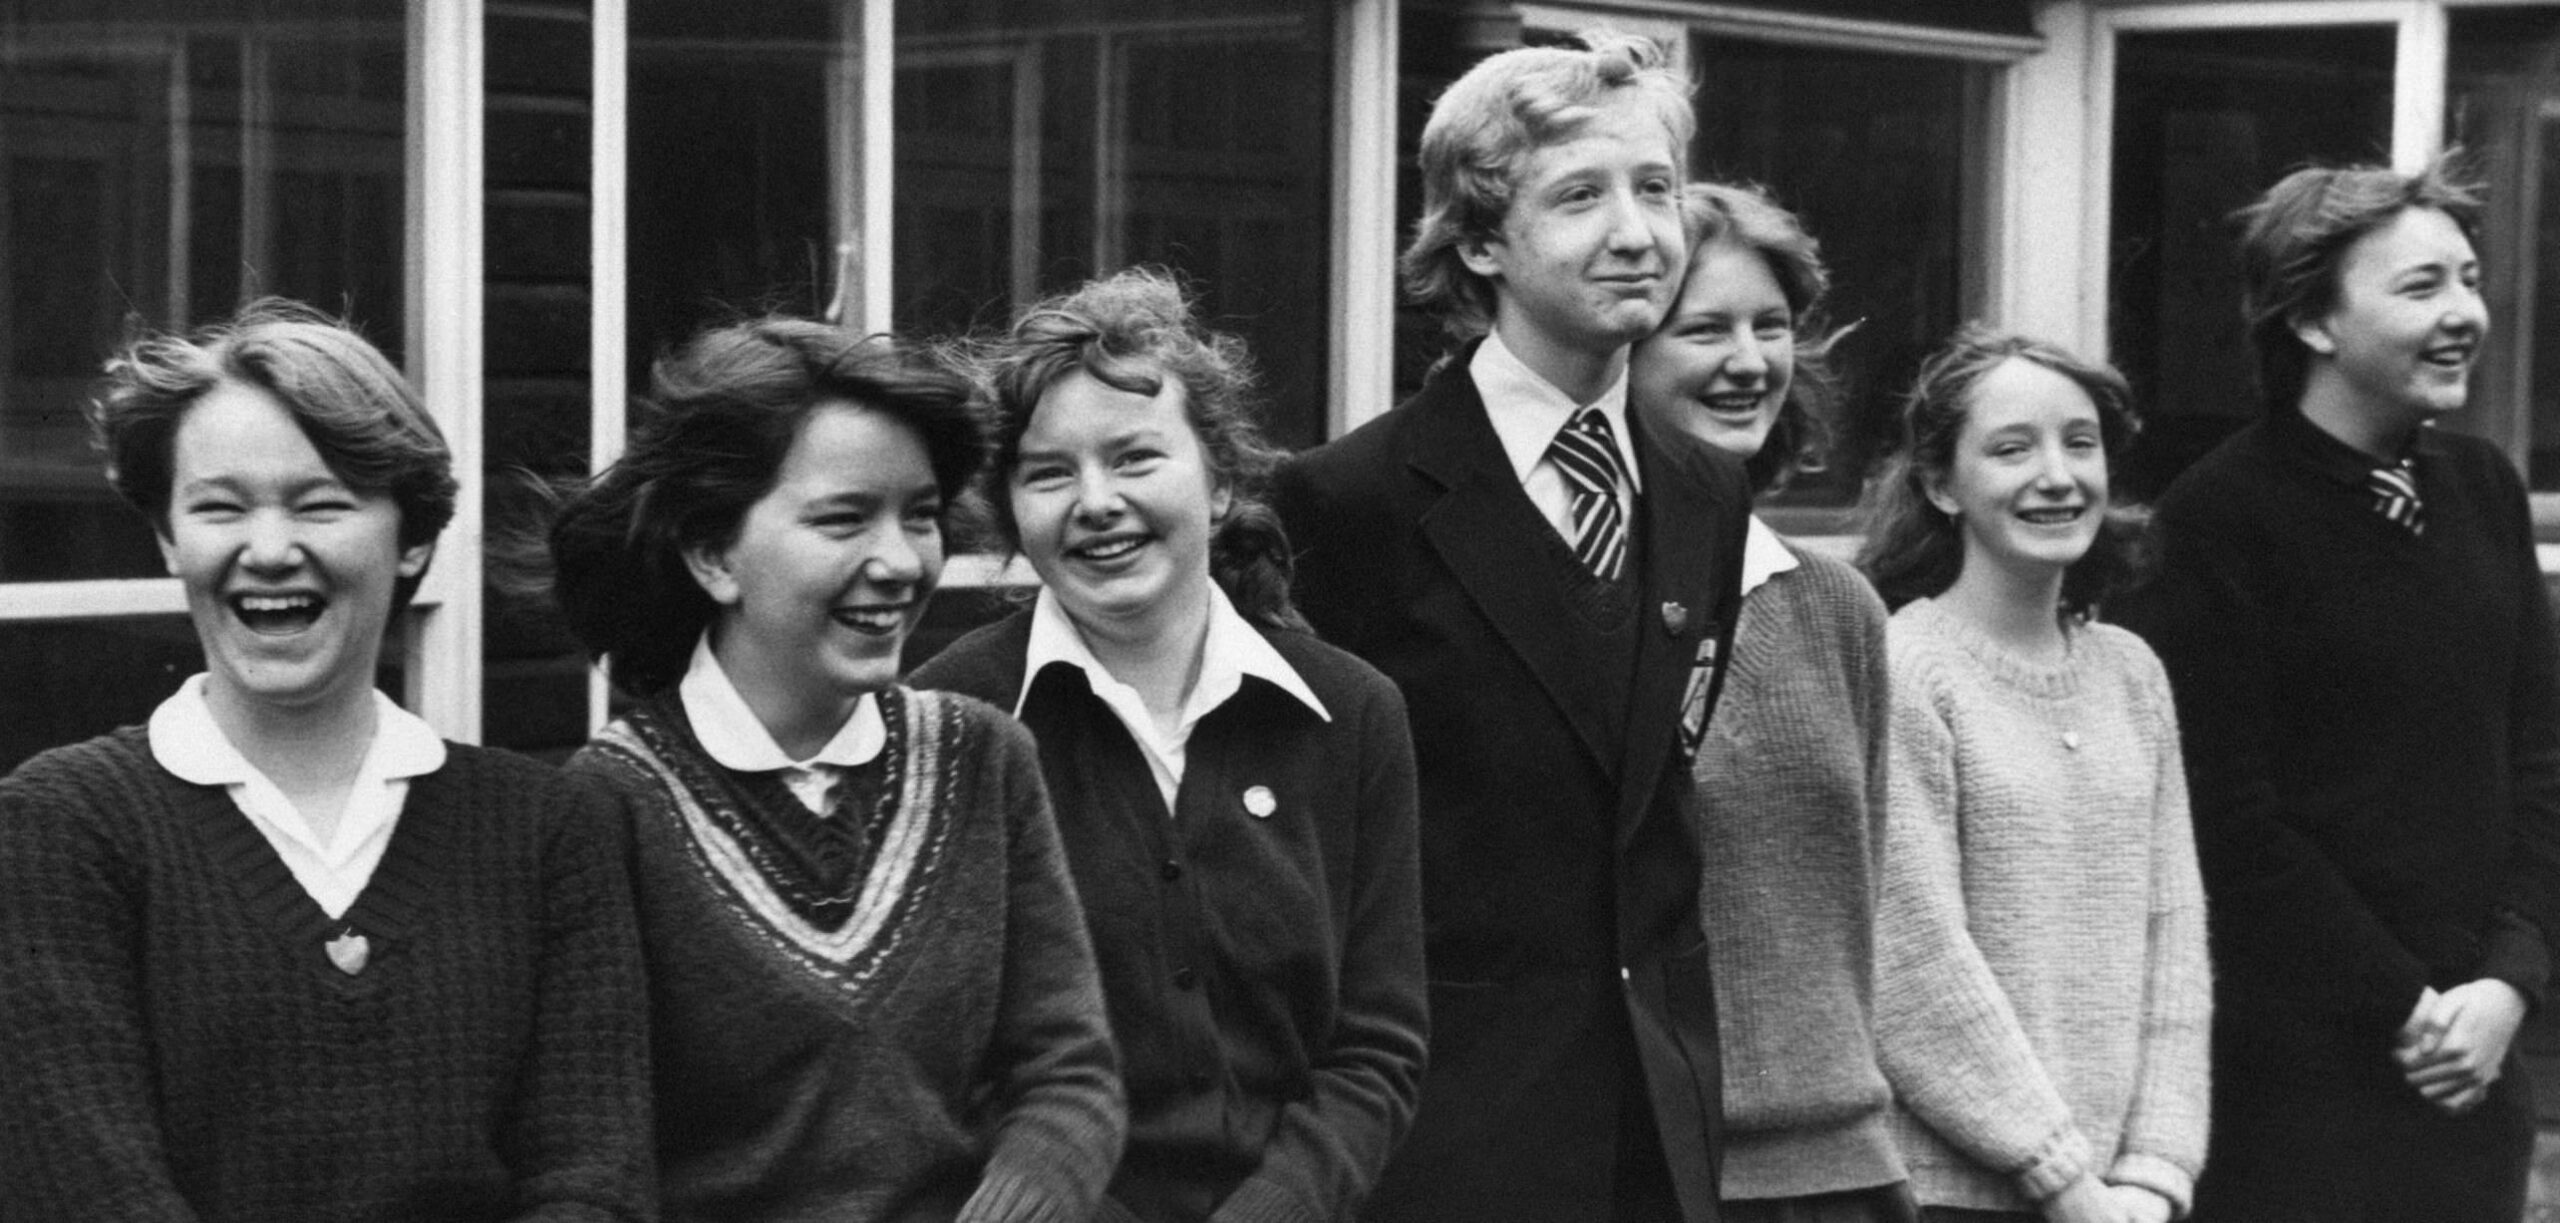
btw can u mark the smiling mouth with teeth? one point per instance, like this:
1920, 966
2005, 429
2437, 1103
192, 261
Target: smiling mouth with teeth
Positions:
277, 614
878, 619
2051, 517
1109, 549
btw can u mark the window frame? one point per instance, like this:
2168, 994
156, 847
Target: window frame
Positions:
437, 641
2002, 282
1361, 284
2420, 80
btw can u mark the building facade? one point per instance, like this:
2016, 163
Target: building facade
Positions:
526, 200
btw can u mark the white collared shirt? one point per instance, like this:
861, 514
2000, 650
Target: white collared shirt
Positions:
189, 743
736, 739
1764, 555
1232, 651
1528, 411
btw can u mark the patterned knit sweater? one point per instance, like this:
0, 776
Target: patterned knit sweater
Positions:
887, 1013
1790, 801
180, 1045
2042, 997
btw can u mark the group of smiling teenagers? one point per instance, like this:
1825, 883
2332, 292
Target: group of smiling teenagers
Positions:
1481, 816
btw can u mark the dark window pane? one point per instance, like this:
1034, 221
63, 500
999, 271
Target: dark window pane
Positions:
2503, 107
159, 166
2205, 121
72, 679
1882, 156
1191, 136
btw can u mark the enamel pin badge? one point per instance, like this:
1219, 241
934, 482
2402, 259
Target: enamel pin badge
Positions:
1675, 617
1260, 802
349, 951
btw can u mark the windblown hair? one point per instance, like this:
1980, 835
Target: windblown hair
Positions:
1745, 215
721, 417
2294, 241
1914, 550
1482, 131
1136, 331
347, 398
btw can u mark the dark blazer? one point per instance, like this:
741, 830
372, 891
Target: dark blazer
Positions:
1569, 984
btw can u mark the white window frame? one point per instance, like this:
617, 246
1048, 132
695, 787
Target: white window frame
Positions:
438, 641
2422, 41
862, 133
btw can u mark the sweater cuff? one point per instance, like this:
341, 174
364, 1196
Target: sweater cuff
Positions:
2157, 1175
2062, 1159
2517, 954
1262, 1201
1037, 1176
1007, 1196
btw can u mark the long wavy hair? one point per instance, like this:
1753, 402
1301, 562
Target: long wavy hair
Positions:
719, 421
1135, 331
1915, 550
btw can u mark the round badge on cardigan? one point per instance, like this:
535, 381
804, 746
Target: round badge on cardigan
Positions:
1260, 802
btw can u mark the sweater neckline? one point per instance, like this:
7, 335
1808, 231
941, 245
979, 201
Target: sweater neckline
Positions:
386, 914
2051, 681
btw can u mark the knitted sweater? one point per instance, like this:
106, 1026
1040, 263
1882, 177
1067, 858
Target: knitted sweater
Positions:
180, 1046
1261, 944
889, 1013
1791, 803
2042, 998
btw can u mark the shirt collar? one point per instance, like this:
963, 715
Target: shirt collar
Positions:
1764, 555
1528, 411
190, 744
734, 737
1234, 650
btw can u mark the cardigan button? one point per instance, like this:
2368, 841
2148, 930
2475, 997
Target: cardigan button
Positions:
1172, 870
1184, 978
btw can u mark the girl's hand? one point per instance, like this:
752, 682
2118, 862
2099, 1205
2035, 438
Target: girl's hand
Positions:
2457, 1049
2141, 1205
2086, 1200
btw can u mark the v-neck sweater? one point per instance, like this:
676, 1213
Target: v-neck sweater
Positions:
851, 1034
1261, 943
182, 1047
2043, 1002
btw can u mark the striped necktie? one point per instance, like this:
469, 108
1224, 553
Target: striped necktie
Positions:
1586, 451
2395, 496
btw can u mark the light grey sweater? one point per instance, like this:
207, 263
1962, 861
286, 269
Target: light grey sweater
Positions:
2043, 1001
1790, 799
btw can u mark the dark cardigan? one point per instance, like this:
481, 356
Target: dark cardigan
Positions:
857, 1039
180, 1047
1264, 972
2372, 727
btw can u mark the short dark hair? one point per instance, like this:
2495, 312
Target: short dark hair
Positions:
1914, 550
1134, 331
2294, 241
347, 398
721, 417
1483, 129
1745, 215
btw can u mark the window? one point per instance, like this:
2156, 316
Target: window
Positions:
1036, 150
2204, 121
2503, 107
1884, 157
159, 165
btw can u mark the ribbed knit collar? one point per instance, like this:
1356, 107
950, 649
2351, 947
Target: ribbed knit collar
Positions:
2049, 681
2335, 460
